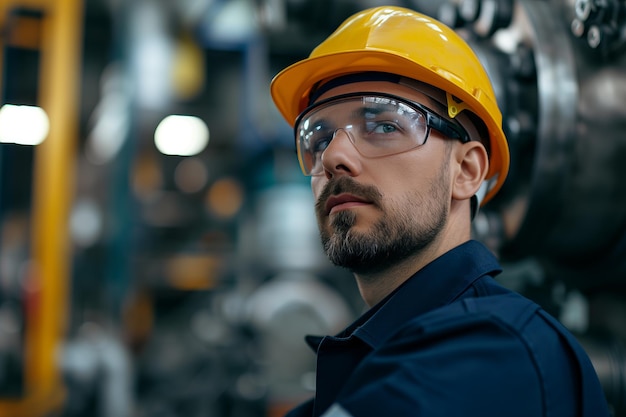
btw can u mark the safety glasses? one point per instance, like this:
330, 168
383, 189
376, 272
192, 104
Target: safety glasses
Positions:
377, 124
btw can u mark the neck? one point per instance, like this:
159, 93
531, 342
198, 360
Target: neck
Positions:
374, 287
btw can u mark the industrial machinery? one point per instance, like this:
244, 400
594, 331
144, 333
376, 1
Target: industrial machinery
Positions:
144, 284
559, 68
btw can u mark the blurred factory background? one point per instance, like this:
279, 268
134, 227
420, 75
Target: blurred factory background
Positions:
159, 255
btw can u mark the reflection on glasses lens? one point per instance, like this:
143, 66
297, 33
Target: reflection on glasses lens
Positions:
376, 126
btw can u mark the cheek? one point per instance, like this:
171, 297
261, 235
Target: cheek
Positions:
317, 184
411, 173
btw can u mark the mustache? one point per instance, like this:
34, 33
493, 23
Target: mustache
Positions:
347, 185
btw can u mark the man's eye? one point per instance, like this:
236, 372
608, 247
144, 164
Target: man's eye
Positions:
381, 127
385, 128
320, 143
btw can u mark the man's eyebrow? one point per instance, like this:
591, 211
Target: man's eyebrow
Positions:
369, 108
364, 109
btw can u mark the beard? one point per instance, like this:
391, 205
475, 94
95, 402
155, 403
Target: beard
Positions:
406, 228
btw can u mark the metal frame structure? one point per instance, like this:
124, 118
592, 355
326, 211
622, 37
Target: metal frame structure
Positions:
52, 189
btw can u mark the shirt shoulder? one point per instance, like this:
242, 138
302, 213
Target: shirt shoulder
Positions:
493, 355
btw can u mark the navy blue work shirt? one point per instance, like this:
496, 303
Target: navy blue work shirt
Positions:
452, 342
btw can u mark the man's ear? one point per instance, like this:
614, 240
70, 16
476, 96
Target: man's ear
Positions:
473, 164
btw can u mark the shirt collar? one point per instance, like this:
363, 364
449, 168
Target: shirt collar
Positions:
437, 284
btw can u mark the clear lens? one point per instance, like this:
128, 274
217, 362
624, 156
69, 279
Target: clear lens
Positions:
376, 125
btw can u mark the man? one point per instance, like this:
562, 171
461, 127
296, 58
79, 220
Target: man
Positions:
397, 124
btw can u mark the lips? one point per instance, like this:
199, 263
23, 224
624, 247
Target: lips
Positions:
344, 200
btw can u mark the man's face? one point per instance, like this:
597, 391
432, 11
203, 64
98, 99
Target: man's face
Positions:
375, 212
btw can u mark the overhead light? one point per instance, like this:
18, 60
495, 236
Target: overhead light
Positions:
181, 135
23, 125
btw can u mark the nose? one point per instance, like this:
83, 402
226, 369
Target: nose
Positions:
341, 156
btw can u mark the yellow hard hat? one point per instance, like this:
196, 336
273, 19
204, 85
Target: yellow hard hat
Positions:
404, 42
